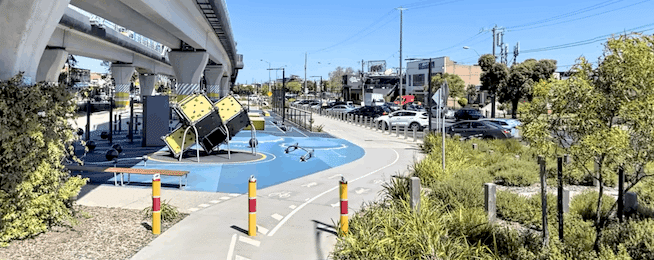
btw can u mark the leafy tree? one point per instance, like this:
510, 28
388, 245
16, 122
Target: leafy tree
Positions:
494, 75
293, 86
521, 79
336, 78
454, 82
600, 115
35, 137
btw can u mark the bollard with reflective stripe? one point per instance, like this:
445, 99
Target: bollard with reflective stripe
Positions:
156, 204
343, 195
252, 206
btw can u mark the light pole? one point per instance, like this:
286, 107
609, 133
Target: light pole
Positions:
466, 47
269, 88
400, 72
283, 95
321, 90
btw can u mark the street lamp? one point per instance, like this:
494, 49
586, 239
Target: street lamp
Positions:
283, 92
466, 47
268, 74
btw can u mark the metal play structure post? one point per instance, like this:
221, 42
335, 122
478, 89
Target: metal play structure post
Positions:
156, 204
252, 206
343, 196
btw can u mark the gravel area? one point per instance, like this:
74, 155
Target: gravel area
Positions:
102, 233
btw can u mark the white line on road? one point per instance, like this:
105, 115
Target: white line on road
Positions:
249, 241
231, 247
193, 209
274, 230
203, 205
337, 175
214, 201
361, 190
292, 206
238, 257
262, 230
309, 185
224, 198
234, 194
277, 216
334, 205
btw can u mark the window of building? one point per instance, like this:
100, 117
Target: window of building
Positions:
418, 79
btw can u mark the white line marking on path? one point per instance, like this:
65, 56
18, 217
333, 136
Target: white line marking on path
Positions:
203, 205
262, 230
337, 175
339, 155
292, 206
361, 190
309, 185
224, 198
299, 132
249, 241
334, 205
234, 194
277, 216
307, 199
231, 247
214, 201
193, 209
238, 257
274, 230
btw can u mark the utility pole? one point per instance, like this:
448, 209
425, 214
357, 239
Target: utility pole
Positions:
400, 72
498, 40
516, 51
305, 74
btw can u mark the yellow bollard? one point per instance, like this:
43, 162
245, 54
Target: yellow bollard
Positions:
343, 195
252, 206
156, 204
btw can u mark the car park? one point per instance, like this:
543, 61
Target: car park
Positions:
415, 107
483, 129
371, 111
509, 124
341, 108
468, 114
392, 106
449, 113
403, 118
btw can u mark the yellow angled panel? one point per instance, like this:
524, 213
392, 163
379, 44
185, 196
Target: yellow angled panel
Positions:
228, 107
174, 140
195, 107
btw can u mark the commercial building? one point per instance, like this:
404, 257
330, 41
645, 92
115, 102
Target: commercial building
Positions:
416, 74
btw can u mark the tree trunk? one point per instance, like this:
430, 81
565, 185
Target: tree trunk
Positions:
514, 108
598, 218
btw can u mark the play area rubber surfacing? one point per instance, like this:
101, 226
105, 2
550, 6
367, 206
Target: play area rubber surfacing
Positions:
218, 173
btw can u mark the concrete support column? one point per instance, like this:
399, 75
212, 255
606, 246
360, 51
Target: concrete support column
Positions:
224, 86
188, 67
50, 65
213, 74
147, 84
122, 73
26, 28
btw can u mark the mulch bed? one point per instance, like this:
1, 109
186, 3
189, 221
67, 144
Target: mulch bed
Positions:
101, 233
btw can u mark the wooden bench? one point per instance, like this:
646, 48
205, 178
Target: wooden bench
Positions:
130, 171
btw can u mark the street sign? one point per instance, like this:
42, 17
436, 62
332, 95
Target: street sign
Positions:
436, 96
269, 93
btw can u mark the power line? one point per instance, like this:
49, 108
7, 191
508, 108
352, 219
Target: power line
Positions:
565, 15
641, 29
580, 18
381, 19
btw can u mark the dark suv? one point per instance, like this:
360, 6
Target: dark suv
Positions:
371, 111
468, 114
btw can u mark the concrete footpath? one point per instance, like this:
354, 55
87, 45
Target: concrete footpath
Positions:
296, 218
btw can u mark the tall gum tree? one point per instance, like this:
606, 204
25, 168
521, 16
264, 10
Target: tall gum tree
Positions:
600, 115
521, 78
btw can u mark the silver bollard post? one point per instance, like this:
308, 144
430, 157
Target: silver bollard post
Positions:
397, 131
474, 146
414, 183
489, 201
415, 137
406, 133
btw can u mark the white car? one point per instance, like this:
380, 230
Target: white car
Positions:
341, 108
403, 118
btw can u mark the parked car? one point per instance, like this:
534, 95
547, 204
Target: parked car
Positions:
403, 118
484, 129
449, 113
371, 111
509, 124
415, 107
392, 106
468, 114
300, 102
310, 104
341, 108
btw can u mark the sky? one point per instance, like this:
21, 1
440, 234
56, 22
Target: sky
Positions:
343, 33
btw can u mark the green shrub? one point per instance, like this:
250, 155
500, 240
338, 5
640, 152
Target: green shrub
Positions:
585, 205
514, 172
462, 102
464, 188
645, 191
635, 236
169, 212
524, 210
35, 137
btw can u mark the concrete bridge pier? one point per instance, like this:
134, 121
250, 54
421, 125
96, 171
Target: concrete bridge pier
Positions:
50, 65
213, 74
224, 86
26, 29
122, 73
146, 82
188, 67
